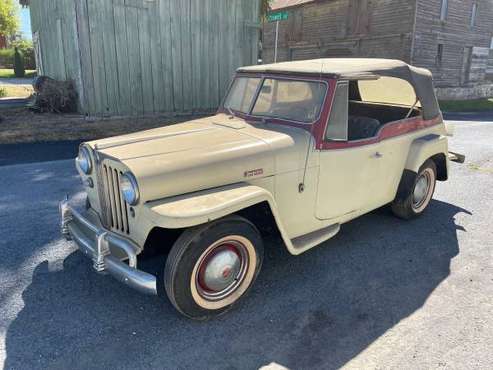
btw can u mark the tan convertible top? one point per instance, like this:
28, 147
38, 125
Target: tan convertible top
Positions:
361, 68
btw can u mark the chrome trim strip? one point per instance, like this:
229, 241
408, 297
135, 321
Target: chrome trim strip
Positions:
100, 253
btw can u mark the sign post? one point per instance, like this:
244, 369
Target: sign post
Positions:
277, 17
277, 42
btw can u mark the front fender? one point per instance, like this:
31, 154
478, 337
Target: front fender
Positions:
426, 147
204, 206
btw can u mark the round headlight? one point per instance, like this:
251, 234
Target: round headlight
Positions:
129, 188
84, 160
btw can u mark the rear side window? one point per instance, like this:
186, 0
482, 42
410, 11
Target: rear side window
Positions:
388, 90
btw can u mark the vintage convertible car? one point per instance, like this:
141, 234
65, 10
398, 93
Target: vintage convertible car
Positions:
297, 148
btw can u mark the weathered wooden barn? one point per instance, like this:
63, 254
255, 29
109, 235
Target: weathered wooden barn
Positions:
145, 56
452, 38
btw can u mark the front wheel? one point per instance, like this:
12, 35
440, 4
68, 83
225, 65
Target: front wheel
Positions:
212, 266
416, 196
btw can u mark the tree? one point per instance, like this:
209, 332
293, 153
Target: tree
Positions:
265, 7
19, 69
9, 20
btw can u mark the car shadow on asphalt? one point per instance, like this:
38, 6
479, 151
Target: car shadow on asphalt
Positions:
317, 310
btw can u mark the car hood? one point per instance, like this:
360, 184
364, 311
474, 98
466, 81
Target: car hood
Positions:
205, 153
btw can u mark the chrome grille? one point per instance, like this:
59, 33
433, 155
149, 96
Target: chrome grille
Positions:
113, 206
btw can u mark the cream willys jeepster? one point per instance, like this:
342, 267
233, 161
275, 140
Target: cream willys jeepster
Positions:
302, 147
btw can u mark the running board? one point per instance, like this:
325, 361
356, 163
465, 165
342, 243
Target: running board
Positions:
305, 242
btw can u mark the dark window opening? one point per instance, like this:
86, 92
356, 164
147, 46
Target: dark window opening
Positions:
358, 17
439, 57
474, 13
295, 33
466, 65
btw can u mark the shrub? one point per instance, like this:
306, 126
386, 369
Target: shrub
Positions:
29, 59
27, 50
3, 92
19, 69
7, 58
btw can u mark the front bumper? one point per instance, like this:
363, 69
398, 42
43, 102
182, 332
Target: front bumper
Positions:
106, 249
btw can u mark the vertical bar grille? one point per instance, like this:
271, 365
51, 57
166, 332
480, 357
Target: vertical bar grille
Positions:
115, 209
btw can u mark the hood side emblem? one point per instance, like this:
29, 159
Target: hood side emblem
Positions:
253, 173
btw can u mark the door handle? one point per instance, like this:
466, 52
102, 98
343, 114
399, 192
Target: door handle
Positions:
377, 155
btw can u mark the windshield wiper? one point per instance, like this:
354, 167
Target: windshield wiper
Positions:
231, 113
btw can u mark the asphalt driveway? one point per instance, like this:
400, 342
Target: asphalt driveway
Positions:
16, 81
384, 293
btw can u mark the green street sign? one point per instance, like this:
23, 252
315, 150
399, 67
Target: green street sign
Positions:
278, 16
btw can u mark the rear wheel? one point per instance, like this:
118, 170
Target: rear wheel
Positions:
414, 198
212, 266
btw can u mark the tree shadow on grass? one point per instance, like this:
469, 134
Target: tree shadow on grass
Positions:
317, 310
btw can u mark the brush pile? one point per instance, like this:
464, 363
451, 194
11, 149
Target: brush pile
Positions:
54, 96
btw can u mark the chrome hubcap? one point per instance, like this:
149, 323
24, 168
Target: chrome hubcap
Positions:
422, 189
221, 270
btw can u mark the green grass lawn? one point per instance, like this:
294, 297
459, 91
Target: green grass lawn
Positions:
9, 73
15, 91
478, 105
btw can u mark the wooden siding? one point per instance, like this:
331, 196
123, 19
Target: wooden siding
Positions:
489, 68
410, 30
458, 40
56, 26
146, 56
344, 28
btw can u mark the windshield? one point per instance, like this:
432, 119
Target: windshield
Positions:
293, 100
242, 93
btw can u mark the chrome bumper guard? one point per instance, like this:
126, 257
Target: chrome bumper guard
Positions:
96, 242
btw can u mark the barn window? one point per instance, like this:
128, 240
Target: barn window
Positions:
359, 17
444, 10
466, 65
474, 12
296, 26
439, 57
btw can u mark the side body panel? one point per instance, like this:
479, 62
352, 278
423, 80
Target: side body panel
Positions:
357, 180
349, 180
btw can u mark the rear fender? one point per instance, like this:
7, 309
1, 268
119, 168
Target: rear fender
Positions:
424, 148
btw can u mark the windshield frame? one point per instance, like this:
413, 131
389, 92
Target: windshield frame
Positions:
265, 76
